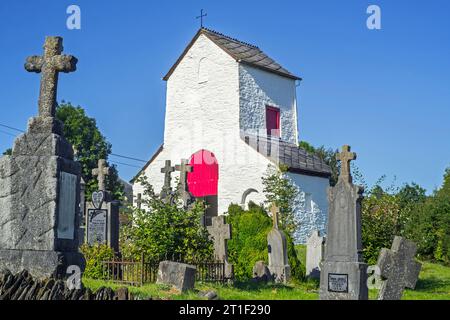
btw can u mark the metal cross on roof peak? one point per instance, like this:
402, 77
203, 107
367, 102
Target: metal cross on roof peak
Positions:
201, 17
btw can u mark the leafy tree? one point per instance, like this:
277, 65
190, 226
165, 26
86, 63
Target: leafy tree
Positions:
429, 224
8, 152
249, 243
165, 230
328, 155
90, 146
279, 189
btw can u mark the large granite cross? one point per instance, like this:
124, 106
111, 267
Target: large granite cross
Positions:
398, 269
167, 170
220, 232
275, 215
184, 168
345, 156
101, 172
50, 65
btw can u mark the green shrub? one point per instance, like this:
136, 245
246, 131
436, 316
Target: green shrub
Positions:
94, 256
165, 230
429, 225
249, 242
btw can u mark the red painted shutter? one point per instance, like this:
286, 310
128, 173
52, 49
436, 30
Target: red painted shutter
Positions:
204, 178
273, 121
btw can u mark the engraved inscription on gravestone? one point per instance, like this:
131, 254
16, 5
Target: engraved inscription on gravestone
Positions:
97, 225
67, 205
337, 282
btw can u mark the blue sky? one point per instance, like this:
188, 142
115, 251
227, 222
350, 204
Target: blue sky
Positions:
384, 92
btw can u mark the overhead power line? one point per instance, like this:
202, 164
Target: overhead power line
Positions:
124, 164
125, 157
12, 128
8, 133
112, 154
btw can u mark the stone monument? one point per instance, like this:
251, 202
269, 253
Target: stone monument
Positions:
277, 247
343, 272
314, 254
220, 232
398, 269
40, 183
102, 219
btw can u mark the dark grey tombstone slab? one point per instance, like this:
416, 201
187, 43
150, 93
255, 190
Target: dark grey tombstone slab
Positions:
40, 184
179, 275
398, 269
343, 273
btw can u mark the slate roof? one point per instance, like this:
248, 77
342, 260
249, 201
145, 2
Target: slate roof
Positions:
297, 159
240, 51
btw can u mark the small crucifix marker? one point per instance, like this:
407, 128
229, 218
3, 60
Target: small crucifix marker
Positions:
101, 172
167, 170
201, 17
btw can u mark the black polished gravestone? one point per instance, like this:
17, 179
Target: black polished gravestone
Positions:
343, 273
40, 184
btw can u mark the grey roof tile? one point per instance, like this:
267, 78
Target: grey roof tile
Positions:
286, 153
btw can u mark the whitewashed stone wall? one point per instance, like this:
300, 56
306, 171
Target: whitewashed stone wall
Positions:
258, 89
210, 97
311, 206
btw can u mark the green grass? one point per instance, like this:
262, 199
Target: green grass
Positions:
433, 284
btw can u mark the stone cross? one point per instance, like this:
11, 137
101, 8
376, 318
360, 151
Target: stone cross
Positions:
50, 65
101, 172
184, 168
398, 269
220, 232
139, 201
345, 156
275, 215
167, 170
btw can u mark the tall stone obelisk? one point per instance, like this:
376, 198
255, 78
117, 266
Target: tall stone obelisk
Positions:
40, 183
343, 273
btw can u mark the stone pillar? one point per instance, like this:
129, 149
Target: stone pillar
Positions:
343, 273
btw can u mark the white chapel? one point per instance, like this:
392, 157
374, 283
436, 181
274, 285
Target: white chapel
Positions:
231, 111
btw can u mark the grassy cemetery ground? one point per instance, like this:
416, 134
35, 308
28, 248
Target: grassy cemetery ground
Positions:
433, 284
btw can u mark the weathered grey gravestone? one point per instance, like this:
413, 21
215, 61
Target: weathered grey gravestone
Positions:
398, 269
220, 232
343, 273
314, 253
184, 168
40, 184
179, 275
277, 247
261, 273
102, 219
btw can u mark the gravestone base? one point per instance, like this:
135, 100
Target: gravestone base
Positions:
280, 274
39, 203
40, 264
355, 275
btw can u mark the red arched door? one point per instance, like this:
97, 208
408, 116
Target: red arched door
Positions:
204, 178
